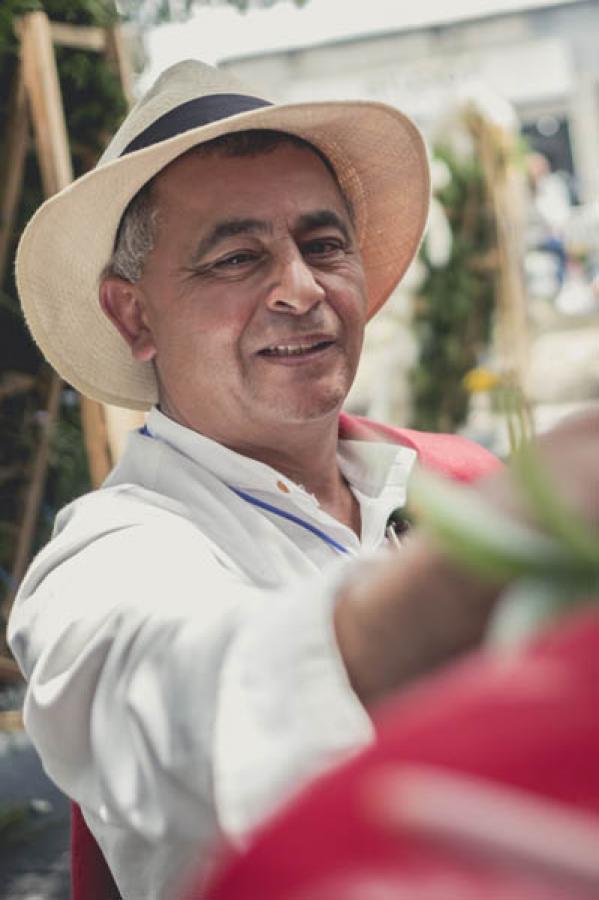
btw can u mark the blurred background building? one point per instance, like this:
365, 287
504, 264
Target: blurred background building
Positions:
542, 58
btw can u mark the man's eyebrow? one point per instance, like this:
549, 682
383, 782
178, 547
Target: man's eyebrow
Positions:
322, 218
228, 228
318, 218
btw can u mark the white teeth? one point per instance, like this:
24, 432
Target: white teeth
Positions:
291, 350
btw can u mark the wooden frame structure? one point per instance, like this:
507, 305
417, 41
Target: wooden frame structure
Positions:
36, 105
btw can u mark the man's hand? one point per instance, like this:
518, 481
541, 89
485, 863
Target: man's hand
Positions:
416, 610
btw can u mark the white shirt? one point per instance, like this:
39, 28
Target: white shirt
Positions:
183, 673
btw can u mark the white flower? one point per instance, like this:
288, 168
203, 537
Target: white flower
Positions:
439, 239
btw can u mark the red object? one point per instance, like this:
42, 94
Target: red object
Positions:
522, 729
91, 879
452, 455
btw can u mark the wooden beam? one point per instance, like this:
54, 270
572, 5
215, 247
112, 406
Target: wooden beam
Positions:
96, 439
116, 53
119, 423
80, 37
45, 102
496, 147
9, 671
43, 89
34, 493
11, 720
17, 134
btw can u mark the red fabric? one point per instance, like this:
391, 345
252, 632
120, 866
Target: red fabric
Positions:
529, 721
455, 456
91, 878
452, 455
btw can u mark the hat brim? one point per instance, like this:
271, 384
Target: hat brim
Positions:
381, 163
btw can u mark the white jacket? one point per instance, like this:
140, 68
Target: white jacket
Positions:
177, 639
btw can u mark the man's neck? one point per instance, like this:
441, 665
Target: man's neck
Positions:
305, 453
310, 460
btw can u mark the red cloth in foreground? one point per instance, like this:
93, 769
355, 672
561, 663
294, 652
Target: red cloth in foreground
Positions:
451, 455
91, 879
483, 785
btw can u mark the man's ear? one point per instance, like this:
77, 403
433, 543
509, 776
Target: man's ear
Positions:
121, 302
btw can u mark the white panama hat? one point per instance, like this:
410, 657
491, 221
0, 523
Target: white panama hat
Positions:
377, 153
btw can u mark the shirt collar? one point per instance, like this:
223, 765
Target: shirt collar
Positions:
369, 466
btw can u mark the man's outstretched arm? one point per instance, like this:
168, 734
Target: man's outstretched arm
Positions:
416, 610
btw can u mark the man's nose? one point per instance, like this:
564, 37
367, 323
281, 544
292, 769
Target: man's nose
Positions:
295, 289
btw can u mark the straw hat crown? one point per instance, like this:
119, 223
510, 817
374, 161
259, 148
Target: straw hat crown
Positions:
184, 81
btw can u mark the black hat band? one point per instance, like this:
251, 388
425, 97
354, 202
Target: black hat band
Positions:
192, 114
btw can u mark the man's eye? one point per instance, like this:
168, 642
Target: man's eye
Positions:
235, 260
323, 248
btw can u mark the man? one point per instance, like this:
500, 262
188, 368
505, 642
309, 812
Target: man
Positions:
194, 643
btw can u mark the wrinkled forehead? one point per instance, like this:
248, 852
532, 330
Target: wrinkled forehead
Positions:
222, 168
270, 196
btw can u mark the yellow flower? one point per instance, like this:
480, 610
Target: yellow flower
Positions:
478, 380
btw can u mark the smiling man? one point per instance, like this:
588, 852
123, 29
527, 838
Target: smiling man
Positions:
200, 636
259, 292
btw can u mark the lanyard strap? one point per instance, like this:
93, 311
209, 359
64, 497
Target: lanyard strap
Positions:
339, 548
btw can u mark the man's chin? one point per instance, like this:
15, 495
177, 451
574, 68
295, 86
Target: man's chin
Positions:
305, 410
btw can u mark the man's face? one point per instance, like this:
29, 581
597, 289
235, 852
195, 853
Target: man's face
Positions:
254, 296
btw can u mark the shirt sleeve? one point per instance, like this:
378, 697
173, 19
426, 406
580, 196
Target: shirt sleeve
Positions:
166, 692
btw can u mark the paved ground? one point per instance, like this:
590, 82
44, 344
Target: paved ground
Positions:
34, 826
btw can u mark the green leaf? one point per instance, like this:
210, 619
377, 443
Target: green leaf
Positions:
477, 535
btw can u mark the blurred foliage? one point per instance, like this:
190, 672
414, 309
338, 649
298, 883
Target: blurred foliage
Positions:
153, 12
454, 307
22, 822
94, 105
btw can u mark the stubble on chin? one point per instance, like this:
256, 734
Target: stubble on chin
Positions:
306, 402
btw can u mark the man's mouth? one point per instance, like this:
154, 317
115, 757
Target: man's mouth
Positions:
297, 349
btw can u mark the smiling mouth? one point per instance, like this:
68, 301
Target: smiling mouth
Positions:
286, 350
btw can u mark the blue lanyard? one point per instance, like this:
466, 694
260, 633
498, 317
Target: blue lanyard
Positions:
339, 548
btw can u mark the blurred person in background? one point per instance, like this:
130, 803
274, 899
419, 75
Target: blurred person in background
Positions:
550, 207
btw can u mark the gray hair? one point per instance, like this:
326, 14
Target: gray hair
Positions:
135, 237
138, 228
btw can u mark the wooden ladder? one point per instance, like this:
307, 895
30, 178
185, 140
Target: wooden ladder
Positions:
37, 103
